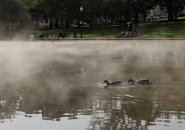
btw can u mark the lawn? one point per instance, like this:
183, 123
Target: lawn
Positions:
156, 29
97, 32
162, 30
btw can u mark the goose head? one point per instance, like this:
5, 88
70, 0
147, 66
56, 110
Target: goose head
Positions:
106, 82
131, 81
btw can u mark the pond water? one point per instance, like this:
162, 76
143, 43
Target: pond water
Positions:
59, 85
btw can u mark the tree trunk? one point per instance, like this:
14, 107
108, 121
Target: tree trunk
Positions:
136, 18
51, 23
37, 22
175, 15
67, 23
144, 17
56, 22
120, 17
91, 21
112, 19
95, 19
170, 14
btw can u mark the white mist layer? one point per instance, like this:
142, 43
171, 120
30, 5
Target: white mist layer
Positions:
81, 63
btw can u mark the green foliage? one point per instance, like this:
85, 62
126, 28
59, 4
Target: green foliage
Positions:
12, 11
18, 11
93, 9
174, 7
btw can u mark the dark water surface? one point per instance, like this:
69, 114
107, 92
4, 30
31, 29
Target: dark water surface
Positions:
59, 85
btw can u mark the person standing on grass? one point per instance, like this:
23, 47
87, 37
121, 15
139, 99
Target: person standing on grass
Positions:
130, 26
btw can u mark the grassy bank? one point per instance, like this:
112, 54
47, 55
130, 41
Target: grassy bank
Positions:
157, 29
162, 30
97, 32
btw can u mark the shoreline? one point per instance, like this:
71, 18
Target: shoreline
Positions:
105, 39
93, 39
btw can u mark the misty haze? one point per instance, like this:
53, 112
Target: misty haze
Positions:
59, 85
92, 64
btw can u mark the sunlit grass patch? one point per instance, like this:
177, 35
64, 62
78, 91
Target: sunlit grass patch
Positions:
163, 30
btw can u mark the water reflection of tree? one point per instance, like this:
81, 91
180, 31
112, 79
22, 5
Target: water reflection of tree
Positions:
121, 114
52, 103
47, 101
7, 109
108, 112
8, 102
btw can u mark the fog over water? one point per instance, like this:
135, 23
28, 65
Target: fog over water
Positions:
22, 61
45, 80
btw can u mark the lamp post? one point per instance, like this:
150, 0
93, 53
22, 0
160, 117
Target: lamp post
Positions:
81, 21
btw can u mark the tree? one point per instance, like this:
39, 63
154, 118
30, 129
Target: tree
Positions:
12, 12
174, 7
142, 7
95, 9
51, 9
178, 8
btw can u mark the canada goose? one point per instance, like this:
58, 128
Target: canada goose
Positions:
131, 81
141, 81
112, 83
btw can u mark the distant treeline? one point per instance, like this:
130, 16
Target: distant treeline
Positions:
23, 11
